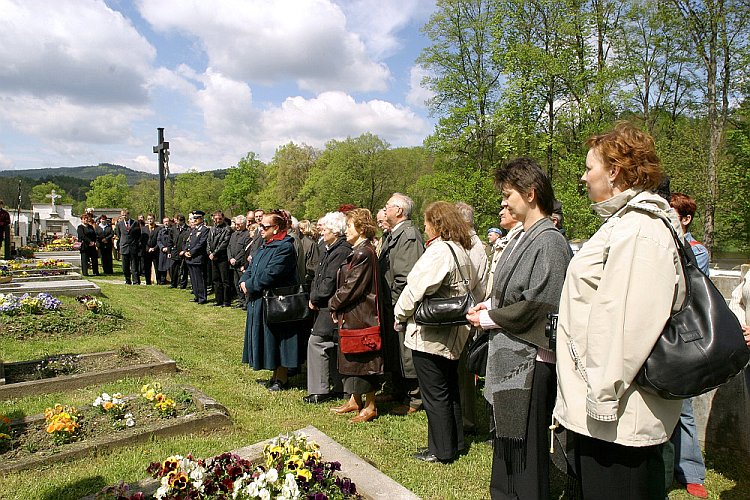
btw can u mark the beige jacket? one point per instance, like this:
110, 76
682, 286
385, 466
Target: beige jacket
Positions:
619, 291
435, 274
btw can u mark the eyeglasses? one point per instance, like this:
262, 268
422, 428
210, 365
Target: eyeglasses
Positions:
390, 205
264, 227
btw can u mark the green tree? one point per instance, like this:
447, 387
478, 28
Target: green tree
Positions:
40, 191
286, 175
719, 31
144, 198
197, 191
350, 171
108, 191
464, 77
241, 185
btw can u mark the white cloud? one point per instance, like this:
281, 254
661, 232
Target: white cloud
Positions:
72, 73
268, 41
418, 95
81, 50
378, 21
5, 162
335, 115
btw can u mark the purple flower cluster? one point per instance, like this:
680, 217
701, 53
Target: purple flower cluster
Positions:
49, 302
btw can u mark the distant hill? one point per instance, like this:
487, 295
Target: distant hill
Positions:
86, 173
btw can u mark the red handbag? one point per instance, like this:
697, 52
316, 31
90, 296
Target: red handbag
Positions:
362, 340
359, 340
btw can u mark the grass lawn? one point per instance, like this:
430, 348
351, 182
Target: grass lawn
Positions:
206, 342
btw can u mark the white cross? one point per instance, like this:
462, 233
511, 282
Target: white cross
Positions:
53, 196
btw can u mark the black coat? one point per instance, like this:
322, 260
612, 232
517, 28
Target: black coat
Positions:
324, 285
180, 235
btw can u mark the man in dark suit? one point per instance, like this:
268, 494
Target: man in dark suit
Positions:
218, 241
196, 256
104, 234
130, 239
179, 271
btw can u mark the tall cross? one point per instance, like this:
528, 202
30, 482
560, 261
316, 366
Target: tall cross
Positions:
53, 196
162, 149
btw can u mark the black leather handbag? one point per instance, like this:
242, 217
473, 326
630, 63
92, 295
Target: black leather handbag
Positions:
476, 354
286, 304
448, 311
701, 347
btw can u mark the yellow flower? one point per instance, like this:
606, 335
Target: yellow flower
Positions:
4, 436
107, 405
304, 474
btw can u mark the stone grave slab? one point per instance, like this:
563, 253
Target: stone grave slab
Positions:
371, 483
72, 256
68, 287
162, 364
211, 415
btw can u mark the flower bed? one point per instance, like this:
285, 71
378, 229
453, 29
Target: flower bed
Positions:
26, 304
25, 378
23, 317
291, 467
58, 245
64, 432
32, 264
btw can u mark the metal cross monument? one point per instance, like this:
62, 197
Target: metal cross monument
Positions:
162, 149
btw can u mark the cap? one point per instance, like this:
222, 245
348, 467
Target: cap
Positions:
198, 213
494, 230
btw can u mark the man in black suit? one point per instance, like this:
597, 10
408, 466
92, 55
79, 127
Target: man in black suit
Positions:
104, 234
130, 239
149, 250
196, 256
179, 271
218, 241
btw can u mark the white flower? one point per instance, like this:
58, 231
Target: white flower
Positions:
272, 475
98, 401
264, 494
106, 397
129, 422
163, 489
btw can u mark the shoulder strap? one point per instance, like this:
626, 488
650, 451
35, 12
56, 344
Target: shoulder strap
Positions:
460, 273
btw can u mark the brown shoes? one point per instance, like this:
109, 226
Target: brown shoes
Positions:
347, 407
404, 410
365, 415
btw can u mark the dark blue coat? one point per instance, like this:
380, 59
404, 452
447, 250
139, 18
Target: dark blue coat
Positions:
197, 244
267, 347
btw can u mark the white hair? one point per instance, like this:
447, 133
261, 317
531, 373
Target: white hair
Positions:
240, 220
295, 222
403, 202
335, 222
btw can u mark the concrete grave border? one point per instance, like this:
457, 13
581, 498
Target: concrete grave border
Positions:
371, 483
211, 415
163, 364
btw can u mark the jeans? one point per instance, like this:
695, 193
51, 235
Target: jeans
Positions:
688, 464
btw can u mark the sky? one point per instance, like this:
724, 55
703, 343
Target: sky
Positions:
84, 82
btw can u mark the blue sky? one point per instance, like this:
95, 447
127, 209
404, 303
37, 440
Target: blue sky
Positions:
84, 81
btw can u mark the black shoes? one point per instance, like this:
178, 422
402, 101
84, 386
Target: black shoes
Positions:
278, 385
321, 398
425, 456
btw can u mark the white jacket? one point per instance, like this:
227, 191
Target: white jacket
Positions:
619, 291
435, 274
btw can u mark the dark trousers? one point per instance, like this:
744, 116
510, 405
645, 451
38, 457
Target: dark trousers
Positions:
106, 253
617, 472
438, 381
240, 294
150, 260
131, 265
529, 479
179, 273
89, 260
197, 280
5, 241
222, 281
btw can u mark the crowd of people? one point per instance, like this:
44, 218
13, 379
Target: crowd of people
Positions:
609, 302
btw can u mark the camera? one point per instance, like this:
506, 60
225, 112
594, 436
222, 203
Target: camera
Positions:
550, 330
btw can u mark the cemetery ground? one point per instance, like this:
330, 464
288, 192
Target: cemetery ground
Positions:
206, 342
